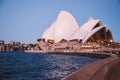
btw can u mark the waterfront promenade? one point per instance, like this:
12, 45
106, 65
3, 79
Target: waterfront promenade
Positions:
115, 73
105, 69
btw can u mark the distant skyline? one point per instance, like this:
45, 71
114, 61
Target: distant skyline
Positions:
26, 20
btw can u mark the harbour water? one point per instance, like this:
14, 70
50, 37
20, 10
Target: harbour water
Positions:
39, 66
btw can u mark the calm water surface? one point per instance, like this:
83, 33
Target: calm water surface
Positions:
32, 66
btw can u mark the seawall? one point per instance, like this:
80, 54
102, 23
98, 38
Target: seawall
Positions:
104, 69
99, 70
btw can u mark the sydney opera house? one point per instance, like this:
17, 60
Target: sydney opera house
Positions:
66, 35
66, 27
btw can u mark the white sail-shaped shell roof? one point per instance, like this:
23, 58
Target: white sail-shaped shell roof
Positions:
88, 26
84, 29
92, 33
109, 35
63, 28
45, 34
66, 27
50, 32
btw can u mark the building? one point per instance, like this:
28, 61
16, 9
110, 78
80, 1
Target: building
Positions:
12, 46
66, 27
66, 35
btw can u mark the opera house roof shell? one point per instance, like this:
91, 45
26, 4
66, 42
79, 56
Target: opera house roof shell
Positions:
66, 27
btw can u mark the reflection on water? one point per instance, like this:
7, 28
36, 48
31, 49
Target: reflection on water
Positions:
28, 66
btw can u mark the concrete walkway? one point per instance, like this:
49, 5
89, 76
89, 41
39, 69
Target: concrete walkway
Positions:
115, 73
105, 69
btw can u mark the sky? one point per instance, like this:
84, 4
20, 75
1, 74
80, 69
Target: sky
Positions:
26, 20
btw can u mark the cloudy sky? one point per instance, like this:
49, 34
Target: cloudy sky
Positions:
26, 20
